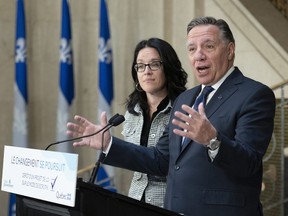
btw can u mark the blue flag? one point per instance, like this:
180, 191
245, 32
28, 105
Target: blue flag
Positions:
106, 173
66, 84
20, 128
105, 62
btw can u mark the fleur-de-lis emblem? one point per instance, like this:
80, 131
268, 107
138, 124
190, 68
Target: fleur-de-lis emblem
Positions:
105, 51
20, 56
65, 51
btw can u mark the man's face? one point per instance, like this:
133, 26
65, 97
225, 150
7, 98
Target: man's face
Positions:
209, 55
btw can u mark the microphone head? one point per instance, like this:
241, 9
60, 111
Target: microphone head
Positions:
118, 120
111, 120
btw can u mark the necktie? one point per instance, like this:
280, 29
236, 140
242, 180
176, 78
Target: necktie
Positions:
200, 99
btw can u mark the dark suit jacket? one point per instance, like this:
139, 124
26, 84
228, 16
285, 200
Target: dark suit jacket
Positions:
242, 110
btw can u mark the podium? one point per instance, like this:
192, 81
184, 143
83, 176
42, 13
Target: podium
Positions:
91, 200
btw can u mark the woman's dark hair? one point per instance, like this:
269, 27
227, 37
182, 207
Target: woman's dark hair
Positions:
176, 77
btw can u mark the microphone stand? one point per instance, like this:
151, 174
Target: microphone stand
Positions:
117, 119
100, 159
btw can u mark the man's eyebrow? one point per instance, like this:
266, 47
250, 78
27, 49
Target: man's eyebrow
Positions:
189, 43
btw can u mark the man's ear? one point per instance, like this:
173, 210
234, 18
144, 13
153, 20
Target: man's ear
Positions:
231, 51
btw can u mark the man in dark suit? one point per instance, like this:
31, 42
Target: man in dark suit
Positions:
212, 157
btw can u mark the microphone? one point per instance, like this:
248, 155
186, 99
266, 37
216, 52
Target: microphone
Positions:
113, 121
117, 120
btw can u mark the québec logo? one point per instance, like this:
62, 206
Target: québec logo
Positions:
8, 183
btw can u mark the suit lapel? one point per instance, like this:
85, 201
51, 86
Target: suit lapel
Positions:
225, 91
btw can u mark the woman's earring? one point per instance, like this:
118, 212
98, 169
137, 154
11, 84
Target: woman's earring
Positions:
138, 87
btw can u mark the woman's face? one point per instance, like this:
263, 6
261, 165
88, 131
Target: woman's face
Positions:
151, 81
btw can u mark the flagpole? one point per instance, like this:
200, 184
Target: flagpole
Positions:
106, 92
20, 127
66, 79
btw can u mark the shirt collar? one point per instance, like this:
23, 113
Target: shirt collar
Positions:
219, 83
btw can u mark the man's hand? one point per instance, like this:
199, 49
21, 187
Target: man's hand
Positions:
194, 125
83, 127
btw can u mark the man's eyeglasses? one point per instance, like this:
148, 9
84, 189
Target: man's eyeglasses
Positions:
141, 67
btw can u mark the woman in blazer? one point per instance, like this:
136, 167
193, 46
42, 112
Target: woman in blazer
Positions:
158, 79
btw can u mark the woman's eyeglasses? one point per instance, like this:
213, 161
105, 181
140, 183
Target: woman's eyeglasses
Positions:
141, 67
